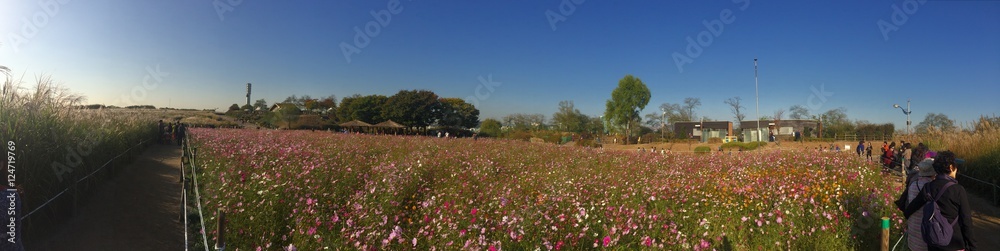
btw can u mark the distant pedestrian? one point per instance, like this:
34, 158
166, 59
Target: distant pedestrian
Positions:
180, 132
953, 203
861, 148
159, 136
904, 156
439, 134
868, 150
447, 134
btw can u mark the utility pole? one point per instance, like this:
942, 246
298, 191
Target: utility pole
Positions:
757, 97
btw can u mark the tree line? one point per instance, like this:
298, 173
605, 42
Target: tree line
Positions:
631, 97
415, 109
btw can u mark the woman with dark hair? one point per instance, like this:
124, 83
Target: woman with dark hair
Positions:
953, 203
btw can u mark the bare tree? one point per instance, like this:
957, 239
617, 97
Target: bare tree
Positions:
689, 105
736, 108
777, 120
798, 112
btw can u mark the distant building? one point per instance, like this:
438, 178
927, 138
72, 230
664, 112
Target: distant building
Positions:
785, 127
703, 130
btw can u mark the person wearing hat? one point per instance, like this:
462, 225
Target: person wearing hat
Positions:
953, 203
925, 174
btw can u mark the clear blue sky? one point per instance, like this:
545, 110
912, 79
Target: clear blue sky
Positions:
945, 56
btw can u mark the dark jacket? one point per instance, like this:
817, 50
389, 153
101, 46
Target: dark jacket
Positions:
953, 203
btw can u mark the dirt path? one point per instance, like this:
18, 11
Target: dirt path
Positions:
138, 210
986, 222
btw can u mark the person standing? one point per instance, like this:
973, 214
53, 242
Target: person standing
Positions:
868, 151
905, 157
180, 132
953, 203
926, 173
861, 148
159, 127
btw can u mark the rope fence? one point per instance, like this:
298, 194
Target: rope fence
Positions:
75, 184
192, 154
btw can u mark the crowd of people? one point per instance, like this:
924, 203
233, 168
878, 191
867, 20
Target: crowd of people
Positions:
931, 191
170, 132
937, 210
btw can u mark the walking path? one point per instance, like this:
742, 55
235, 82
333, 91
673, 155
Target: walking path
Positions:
137, 210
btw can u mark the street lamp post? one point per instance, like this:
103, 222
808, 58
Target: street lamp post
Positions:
906, 111
757, 97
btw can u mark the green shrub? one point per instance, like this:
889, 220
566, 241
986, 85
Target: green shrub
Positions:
702, 149
745, 146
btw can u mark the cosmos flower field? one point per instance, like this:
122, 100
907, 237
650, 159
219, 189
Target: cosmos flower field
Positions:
321, 190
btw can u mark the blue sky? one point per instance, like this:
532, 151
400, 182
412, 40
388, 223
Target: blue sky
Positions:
945, 56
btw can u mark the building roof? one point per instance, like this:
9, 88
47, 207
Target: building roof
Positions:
389, 124
355, 123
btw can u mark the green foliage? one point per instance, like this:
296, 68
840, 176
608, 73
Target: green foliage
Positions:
570, 119
363, 108
873, 129
260, 104
935, 120
419, 108
835, 122
627, 100
702, 149
490, 127
745, 146
455, 112
234, 107
287, 113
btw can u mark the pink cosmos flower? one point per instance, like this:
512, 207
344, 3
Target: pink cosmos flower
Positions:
607, 241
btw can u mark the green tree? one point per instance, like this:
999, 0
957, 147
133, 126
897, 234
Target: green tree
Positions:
835, 122
569, 118
455, 112
287, 113
234, 107
260, 104
627, 100
310, 104
416, 108
363, 108
935, 120
491, 127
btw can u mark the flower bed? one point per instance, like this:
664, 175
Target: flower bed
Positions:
316, 190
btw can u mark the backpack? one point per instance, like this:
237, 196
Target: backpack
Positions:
934, 227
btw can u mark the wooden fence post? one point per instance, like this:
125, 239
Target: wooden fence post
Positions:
220, 245
885, 233
995, 185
